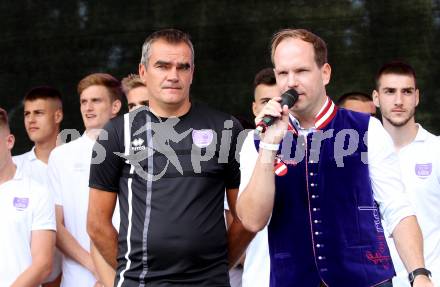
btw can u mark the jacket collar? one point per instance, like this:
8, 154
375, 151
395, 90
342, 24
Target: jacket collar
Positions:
322, 119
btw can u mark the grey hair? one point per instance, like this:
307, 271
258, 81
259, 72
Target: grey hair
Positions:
172, 36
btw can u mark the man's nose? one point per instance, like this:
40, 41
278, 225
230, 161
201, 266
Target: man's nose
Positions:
173, 75
31, 118
292, 80
88, 106
398, 99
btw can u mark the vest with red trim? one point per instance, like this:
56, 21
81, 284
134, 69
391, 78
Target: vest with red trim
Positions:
325, 226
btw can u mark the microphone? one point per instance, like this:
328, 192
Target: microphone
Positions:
288, 98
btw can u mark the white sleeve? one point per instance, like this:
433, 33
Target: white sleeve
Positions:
388, 188
225, 203
248, 159
44, 210
53, 179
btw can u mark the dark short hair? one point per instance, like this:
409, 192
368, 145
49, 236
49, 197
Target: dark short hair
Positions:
43, 92
265, 76
171, 36
359, 96
396, 67
101, 79
4, 119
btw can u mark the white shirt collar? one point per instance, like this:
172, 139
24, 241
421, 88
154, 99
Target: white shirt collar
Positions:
31, 154
422, 134
18, 173
322, 118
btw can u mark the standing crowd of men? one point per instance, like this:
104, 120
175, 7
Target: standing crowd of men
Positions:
327, 195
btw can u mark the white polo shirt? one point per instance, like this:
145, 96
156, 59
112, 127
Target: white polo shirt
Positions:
68, 179
256, 269
25, 206
31, 166
36, 169
420, 165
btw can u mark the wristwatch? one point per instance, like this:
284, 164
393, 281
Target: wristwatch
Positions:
416, 272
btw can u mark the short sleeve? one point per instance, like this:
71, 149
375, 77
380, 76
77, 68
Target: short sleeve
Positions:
106, 169
232, 174
53, 178
388, 188
44, 210
248, 159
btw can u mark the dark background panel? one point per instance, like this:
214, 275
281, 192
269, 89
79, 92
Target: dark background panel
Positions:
59, 42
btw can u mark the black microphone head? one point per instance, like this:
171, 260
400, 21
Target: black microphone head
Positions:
289, 98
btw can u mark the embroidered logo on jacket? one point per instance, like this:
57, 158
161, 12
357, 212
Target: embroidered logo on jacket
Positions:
137, 144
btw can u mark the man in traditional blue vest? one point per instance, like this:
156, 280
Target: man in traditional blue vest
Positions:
322, 198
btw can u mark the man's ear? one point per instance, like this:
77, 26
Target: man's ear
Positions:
417, 97
192, 74
326, 72
142, 71
116, 107
254, 109
375, 96
59, 116
10, 141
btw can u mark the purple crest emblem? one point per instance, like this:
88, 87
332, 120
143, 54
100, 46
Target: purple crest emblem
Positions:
202, 138
21, 203
423, 169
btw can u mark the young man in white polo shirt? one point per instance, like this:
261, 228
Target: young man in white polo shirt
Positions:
256, 269
69, 165
27, 221
397, 96
43, 113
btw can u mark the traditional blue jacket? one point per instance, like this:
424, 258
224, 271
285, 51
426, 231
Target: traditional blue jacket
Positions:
325, 226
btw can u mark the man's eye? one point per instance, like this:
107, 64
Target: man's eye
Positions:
184, 67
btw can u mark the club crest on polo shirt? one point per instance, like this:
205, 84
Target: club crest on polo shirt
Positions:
21, 203
202, 138
423, 170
